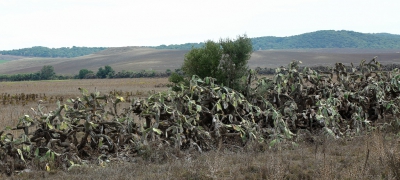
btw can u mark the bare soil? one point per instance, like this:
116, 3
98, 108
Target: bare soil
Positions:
137, 59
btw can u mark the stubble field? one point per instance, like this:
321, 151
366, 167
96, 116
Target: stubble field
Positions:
51, 91
138, 59
373, 156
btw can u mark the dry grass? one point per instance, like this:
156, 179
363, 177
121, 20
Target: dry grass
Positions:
375, 156
70, 87
53, 90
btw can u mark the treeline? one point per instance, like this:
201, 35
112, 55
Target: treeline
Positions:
318, 39
48, 73
108, 72
185, 46
40, 51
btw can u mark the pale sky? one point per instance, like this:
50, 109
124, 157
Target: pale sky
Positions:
116, 23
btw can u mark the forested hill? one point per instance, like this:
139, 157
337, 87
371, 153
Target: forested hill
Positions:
318, 39
40, 51
330, 39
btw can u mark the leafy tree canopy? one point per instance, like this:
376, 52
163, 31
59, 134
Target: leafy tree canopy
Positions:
83, 73
107, 72
175, 78
225, 60
47, 73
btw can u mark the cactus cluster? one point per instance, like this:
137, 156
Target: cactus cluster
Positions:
204, 116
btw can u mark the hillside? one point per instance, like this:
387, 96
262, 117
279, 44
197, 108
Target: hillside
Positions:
138, 59
315, 48
122, 58
40, 51
318, 39
312, 40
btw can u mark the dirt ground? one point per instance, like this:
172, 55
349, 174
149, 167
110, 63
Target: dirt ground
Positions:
138, 59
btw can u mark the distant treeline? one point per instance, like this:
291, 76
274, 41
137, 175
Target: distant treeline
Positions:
318, 39
47, 73
185, 46
40, 51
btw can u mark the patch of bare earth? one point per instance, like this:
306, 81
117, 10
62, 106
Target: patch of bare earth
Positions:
139, 58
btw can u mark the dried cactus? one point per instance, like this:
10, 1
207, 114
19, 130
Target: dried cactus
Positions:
205, 116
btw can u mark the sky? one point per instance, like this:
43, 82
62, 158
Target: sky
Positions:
117, 23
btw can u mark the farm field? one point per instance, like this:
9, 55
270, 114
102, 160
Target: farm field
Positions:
138, 59
70, 87
372, 156
51, 91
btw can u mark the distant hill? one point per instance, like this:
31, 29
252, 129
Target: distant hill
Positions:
318, 39
40, 51
314, 40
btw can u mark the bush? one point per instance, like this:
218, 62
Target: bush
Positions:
225, 60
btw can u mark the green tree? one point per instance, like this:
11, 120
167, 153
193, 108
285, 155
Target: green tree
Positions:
204, 61
168, 72
83, 72
107, 72
225, 60
175, 78
90, 76
47, 72
236, 54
